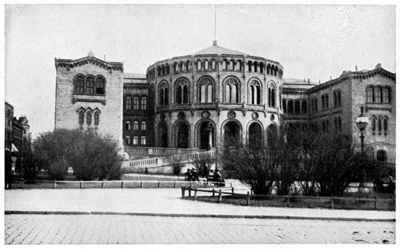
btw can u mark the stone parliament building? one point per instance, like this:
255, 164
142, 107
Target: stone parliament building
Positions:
216, 96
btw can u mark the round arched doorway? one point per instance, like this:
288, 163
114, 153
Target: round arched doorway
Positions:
232, 133
163, 134
206, 135
255, 136
182, 135
272, 135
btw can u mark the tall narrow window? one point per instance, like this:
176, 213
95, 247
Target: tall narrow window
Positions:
90, 85
284, 105
89, 117
128, 102
378, 94
136, 103
373, 125
96, 118
143, 103
178, 94
79, 84
271, 96
205, 90
385, 126
297, 106
385, 95
81, 117
143, 140
209, 93
185, 95
380, 126
304, 106
143, 126
231, 90
135, 140
100, 85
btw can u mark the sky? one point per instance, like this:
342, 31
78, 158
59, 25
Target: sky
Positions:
310, 41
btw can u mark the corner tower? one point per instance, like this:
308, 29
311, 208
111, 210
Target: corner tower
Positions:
89, 95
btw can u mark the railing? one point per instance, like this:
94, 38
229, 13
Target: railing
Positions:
158, 151
114, 184
166, 160
333, 202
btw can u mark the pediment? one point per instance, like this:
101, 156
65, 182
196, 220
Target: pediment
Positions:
69, 63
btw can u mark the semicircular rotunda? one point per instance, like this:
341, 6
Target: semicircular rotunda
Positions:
213, 97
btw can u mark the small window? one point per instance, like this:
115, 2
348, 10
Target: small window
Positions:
127, 139
143, 140
136, 125
81, 117
143, 126
128, 125
135, 140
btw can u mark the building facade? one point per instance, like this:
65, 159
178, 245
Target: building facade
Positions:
218, 96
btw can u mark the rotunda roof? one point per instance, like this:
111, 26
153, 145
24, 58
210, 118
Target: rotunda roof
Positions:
215, 49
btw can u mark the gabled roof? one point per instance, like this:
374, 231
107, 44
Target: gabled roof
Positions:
89, 59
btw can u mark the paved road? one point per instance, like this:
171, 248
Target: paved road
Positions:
165, 201
73, 229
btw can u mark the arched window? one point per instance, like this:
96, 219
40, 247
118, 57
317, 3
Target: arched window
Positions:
255, 66
81, 116
255, 92
79, 84
206, 65
100, 85
96, 117
239, 65
90, 85
205, 90
232, 92
143, 103
163, 93
198, 65
182, 91
88, 117
188, 66
271, 95
249, 65
143, 126
213, 64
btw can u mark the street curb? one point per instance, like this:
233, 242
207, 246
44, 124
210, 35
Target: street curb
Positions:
16, 212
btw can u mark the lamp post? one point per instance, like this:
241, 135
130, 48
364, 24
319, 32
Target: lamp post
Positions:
362, 123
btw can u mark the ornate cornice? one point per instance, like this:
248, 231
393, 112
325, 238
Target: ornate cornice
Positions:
69, 63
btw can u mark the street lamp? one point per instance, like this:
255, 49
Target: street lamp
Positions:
362, 123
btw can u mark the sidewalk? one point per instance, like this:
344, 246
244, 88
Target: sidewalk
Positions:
162, 202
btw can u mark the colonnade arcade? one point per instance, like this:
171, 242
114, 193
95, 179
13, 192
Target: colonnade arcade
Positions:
205, 133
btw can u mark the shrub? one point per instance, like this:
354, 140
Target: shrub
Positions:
90, 155
57, 170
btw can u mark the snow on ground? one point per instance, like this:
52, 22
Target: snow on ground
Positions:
165, 201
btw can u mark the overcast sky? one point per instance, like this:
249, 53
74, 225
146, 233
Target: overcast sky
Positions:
310, 41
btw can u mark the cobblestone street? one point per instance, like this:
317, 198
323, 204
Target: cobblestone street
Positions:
71, 229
